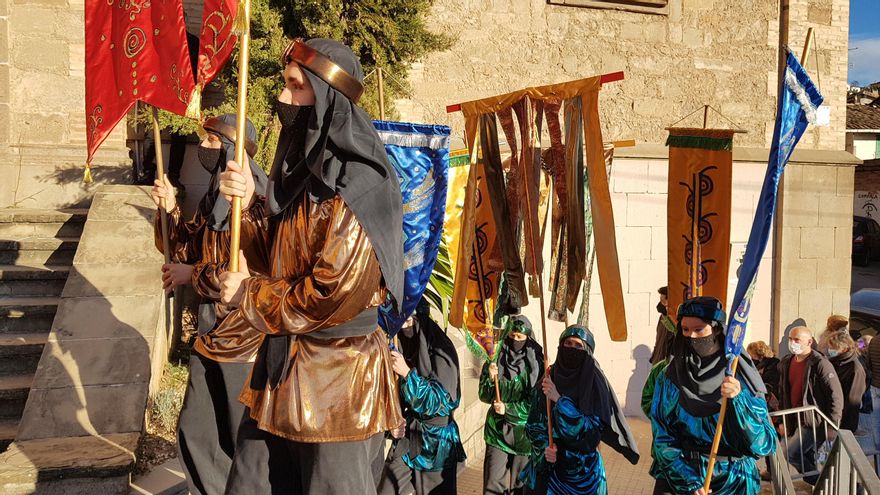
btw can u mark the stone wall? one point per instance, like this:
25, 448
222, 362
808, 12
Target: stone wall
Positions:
42, 108
721, 53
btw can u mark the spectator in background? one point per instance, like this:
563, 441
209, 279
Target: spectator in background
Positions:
844, 356
807, 378
665, 329
867, 436
768, 366
834, 324
873, 359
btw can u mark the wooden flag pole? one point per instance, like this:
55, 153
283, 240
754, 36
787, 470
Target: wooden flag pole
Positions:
243, 21
381, 80
713, 455
160, 174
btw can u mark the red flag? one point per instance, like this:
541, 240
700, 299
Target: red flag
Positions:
216, 42
135, 50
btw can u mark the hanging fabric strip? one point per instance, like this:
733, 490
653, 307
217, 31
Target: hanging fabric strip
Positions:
554, 163
698, 210
515, 293
584, 314
603, 221
466, 229
574, 212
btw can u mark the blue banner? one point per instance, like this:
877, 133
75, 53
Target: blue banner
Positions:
797, 108
420, 155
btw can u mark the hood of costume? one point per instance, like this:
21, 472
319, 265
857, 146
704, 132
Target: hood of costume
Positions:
530, 358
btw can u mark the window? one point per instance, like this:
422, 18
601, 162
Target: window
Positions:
644, 6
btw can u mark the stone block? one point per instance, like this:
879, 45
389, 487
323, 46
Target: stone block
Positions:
646, 210
834, 273
835, 211
4, 40
82, 363
10, 172
797, 273
4, 83
659, 241
630, 176
40, 92
100, 409
845, 181
646, 276
692, 37
37, 21
819, 14
47, 3
33, 128
41, 54
817, 242
638, 308
106, 317
117, 242
815, 307
800, 209
633, 243
618, 207
819, 179
843, 242
840, 301
103, 280
789, 310
110, 207
658, 176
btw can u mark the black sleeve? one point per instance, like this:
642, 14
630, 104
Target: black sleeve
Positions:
830, 385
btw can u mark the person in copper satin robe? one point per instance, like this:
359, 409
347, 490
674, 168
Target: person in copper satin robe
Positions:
322, 391
224, 348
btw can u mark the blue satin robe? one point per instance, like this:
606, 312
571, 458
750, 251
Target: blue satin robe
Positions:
578, 469
748, 434
423, 399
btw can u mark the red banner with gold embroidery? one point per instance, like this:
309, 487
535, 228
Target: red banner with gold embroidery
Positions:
216, 42
135, 50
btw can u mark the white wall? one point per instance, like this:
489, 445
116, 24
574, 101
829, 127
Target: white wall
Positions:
865, 146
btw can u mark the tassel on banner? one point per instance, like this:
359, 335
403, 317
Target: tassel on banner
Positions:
87, 175
240, 24
194, 107
201, 132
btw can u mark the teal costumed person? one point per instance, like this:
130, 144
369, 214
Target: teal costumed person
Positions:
687, 399
585, 412
427, 448
519, 369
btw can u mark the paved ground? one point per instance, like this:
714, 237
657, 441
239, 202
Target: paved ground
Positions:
866, 276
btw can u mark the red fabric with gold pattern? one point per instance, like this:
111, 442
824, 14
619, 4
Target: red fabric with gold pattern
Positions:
216, 40
135, 50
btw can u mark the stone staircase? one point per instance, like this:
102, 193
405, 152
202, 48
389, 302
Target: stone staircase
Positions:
36, 252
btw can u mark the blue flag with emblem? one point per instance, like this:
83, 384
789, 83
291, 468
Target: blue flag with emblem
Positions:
798, 103
420, 156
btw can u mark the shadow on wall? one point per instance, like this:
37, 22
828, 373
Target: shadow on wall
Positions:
641, 356
72, 176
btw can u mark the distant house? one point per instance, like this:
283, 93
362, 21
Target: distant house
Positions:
863, 141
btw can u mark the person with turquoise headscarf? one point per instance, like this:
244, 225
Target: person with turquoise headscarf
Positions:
585, 412
686, 405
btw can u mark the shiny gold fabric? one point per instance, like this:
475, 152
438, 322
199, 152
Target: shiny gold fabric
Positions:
323, 273
184, 238
233, 339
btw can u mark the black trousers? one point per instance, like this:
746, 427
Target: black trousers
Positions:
400, 479
501, 472
661, 487
208, 423
268, 464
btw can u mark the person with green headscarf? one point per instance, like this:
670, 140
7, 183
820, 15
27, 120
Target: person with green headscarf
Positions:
585, 411
518, 369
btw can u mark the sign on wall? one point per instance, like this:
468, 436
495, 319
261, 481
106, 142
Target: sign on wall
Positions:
867, 204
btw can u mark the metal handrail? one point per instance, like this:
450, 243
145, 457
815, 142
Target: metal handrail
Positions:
847, 471
802, 409
820, 423
780, 477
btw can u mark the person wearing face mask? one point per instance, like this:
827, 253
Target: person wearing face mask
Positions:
665, 329
518, 370
807, 378
427, 448
223, 351
585, 412
844, 356
322, 391
687, 401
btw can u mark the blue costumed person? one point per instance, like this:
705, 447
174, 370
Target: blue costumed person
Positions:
585, 412
687, 400
427, 448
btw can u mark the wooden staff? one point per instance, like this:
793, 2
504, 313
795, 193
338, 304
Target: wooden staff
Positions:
243, 22
491, 327
713, 455
160, 174
381, 80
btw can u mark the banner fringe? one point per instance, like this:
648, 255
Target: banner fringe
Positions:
701, 142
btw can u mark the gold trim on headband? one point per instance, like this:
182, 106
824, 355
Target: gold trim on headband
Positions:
229, 132
320, 65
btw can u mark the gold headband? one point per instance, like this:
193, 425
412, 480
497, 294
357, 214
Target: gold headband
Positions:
320, 65
216, 125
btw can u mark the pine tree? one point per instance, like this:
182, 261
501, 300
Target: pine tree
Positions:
383, 33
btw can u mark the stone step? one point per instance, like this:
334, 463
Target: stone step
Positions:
20, 352
13, 394
27, 314
8, 428
32, 280
71, 228
38, 250
27, 215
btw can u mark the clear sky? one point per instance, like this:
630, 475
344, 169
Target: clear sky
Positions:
864, 41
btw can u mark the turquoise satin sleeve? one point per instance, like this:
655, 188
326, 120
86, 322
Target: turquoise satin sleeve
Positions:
426, 397
750, 417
